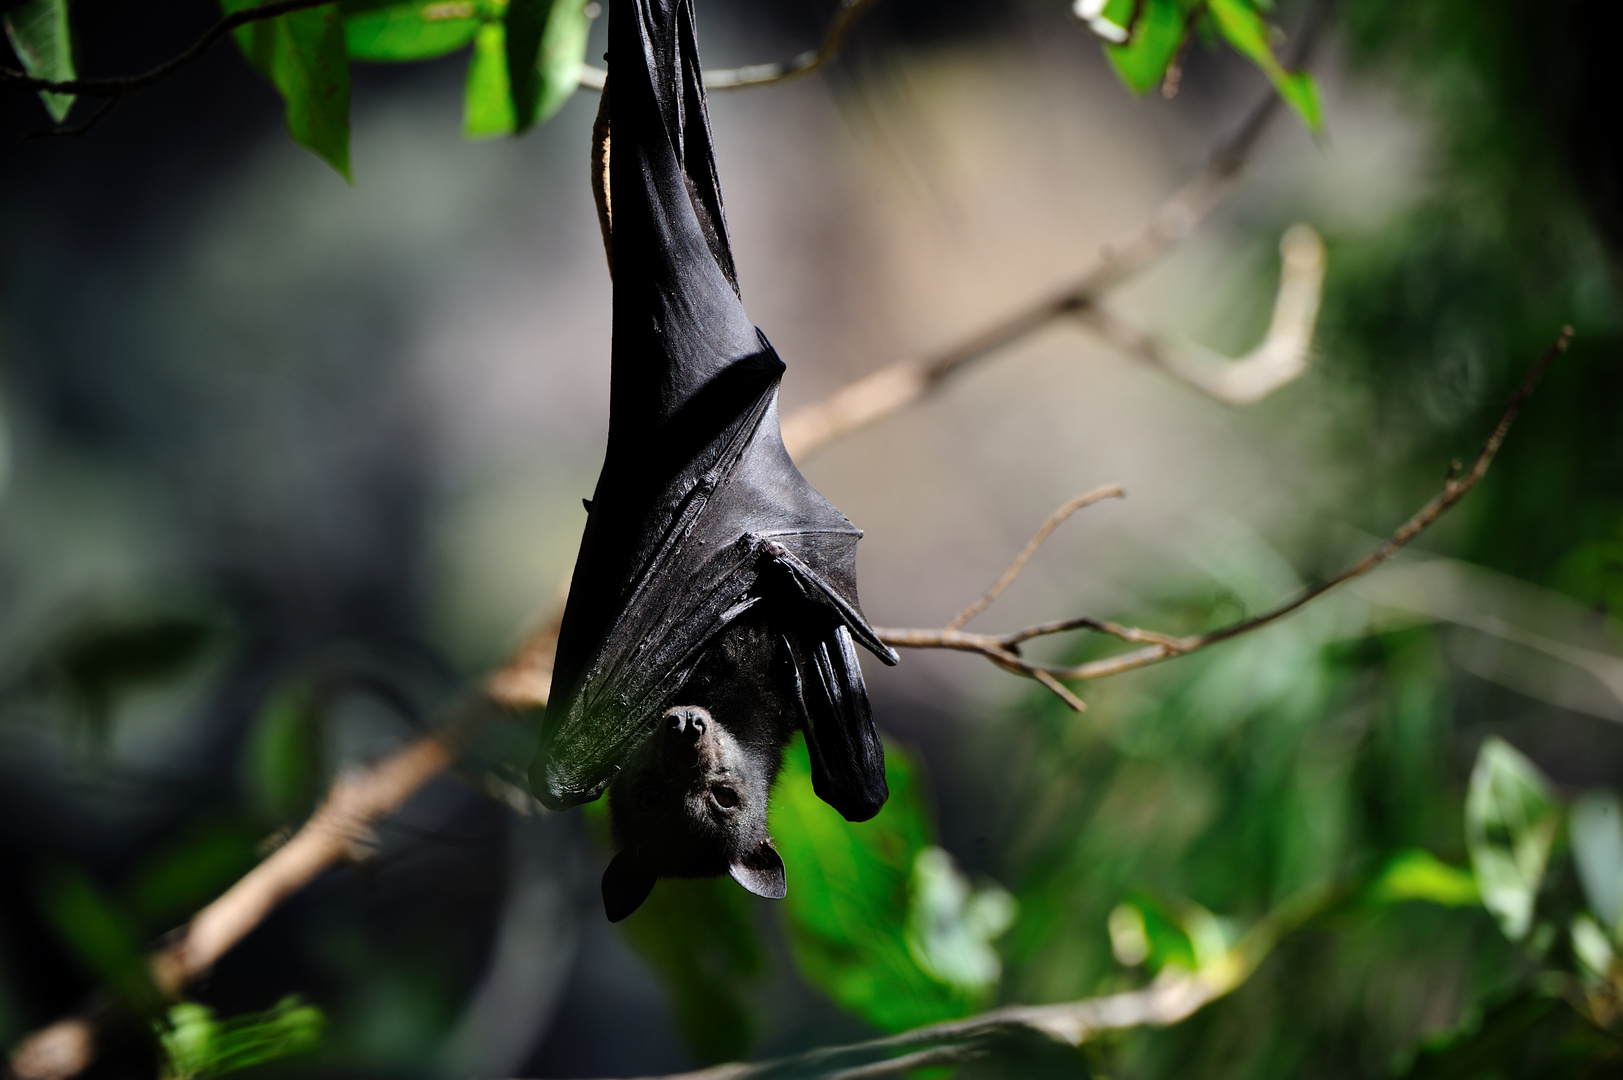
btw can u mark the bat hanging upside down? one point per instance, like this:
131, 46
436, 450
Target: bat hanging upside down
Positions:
713, 608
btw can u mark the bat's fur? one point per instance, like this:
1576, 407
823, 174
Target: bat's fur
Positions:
692, 801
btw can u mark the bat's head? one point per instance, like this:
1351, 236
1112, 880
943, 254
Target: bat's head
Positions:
692, 803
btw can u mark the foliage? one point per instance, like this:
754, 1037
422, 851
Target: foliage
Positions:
197, 1045
38, 32
1145, 38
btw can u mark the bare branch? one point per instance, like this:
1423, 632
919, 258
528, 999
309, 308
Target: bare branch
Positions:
903, 383
1109, 491
757, 74
118, 87
1281, 357
1003, 649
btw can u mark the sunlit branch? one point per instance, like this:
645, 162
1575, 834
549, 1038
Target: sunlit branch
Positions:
1283, 354
1004, 649
903, 383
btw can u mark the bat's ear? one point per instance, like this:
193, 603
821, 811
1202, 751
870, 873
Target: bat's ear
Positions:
760, 870
626, 884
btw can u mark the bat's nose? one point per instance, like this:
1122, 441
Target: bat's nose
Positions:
688, 721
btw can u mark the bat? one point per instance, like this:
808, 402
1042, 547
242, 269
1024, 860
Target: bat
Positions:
713, 607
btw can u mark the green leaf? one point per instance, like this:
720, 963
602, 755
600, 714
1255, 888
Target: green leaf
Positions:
699, 935
1510, 824
1143, 931
951, 927
189, 871
303, 54
281, 765
563, 51
487, 106
1595, 823
104, 936
1420, 875
39, 35
852, 897
525, 23
198, 1046
414, 30
1143, 60
98, 661
1242, 27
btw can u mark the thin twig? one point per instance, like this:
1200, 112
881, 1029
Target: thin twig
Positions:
1003, 649
74, 132
757, 74
1109, 491
118, 87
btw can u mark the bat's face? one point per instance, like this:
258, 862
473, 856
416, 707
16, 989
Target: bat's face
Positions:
692, 803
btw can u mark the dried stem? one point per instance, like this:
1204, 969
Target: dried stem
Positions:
1004, 649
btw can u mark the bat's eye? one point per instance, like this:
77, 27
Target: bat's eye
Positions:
648, 799
725, 797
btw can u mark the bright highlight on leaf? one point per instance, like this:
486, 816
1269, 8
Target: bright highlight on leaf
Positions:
1143, 39
1510, 825
1595, 824
951, 926
415, 30
197, 1045
1420, 875
38, 32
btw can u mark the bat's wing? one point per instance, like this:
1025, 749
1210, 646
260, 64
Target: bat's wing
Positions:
847, 758
750, 530
699, 512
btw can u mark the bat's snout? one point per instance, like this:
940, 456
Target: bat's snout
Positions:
687, 722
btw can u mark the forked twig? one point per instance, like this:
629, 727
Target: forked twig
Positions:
1109, 491
1004, 649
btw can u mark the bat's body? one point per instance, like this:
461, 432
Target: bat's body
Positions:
713, 607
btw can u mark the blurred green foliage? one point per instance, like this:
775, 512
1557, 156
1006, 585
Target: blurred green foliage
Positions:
196, 1045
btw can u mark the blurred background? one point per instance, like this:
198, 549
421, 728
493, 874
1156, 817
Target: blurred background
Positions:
287, 464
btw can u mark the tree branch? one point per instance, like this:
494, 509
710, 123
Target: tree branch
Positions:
1109, 491
120, 86
905, 382
757, 74
1283, 354
1004, 649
